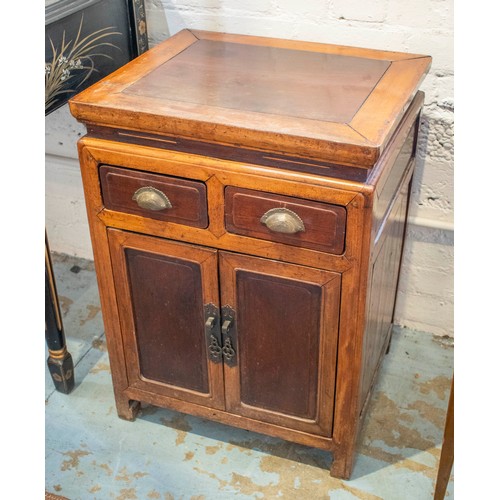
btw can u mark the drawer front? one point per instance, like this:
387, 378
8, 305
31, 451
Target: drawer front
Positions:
283, 219
154, 196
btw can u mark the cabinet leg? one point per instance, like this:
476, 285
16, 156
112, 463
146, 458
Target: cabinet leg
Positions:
341, 466
127, 409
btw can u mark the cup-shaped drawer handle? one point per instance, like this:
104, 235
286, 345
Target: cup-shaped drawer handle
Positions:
282, 220
151, 198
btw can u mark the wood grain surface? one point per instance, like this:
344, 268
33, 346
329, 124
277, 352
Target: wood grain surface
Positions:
230, 127
333, 102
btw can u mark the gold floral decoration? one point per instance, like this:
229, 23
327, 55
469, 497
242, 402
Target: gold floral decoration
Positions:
142, 28
72, 62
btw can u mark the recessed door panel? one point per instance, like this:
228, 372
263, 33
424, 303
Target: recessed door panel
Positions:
167, 319
285, 337
278, 343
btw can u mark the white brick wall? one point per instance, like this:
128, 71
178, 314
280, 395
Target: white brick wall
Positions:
425, 299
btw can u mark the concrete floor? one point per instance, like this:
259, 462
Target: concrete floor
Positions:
92, 454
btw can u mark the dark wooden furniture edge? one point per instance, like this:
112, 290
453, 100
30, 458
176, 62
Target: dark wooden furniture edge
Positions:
447, 451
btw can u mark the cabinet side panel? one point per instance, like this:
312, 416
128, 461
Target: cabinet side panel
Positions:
382, 291
391, 179
279, 343
168, 320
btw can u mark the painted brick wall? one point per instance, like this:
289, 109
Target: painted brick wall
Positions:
425, 298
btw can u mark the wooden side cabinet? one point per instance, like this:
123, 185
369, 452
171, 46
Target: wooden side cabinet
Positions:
247, 200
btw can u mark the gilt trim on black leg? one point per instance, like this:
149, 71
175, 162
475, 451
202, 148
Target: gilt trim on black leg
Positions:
59, 362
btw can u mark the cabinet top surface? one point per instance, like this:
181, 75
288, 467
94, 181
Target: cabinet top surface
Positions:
263, 79
308, 99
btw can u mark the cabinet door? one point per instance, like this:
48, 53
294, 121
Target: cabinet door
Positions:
162, 289
284, 336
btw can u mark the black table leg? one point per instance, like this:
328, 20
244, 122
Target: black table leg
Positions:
60, 362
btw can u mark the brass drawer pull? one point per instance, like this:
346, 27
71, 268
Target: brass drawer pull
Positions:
151, 198
282, 220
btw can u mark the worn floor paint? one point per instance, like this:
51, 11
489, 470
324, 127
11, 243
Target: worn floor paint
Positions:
92, 454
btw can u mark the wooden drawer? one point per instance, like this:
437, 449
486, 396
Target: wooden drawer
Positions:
294, 221
154, 196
